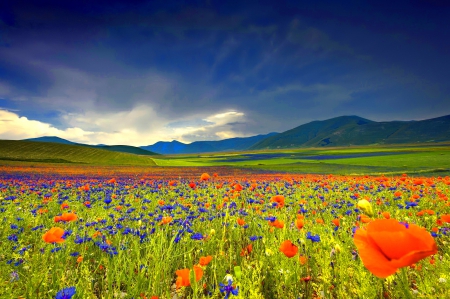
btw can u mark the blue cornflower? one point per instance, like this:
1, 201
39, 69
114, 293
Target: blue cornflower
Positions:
66, 293
197, 236
254, 238
228, 289
315, 238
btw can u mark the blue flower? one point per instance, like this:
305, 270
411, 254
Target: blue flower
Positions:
315, 238
66, 293
228, 289
197, 236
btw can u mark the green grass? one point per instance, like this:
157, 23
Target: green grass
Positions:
422, 159
28, 151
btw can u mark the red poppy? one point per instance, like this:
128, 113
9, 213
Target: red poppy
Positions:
54, 235
386, 245
279, 199
204, 177
288, 248
205, 260
240, 221
67, 217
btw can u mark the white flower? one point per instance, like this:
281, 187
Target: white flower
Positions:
228, 278
442, 280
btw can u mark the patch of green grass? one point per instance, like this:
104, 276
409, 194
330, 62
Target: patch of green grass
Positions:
28, 151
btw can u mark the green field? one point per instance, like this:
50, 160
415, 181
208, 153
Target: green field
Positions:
430, 160
423, 160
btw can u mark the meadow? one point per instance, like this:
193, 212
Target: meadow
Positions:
86, 231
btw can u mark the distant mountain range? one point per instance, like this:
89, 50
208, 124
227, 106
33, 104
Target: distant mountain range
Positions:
338, 131
231, 144
355, 130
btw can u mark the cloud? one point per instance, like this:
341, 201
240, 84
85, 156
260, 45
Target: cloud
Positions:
139, 126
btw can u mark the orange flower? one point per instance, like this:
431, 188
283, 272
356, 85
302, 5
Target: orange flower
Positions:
166, 220
303, 259
386, 215
205, 260
386, 245
240, 221
79, 259
247, 250
335, 222
299, 223
279, 199
54, 235
64, 206
183, 276
67, 217
446, 218
288, 248
204, 177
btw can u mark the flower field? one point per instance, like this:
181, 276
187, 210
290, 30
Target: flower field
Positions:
80, 232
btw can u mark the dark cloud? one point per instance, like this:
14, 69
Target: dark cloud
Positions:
67, 62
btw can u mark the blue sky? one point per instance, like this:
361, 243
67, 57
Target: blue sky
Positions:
136, 72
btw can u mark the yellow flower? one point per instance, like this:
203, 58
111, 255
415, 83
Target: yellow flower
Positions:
364, 205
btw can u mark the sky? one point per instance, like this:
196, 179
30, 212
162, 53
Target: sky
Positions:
138, 72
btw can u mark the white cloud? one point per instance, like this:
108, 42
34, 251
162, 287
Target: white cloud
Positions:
139, 126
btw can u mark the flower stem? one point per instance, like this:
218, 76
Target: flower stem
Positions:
405, 284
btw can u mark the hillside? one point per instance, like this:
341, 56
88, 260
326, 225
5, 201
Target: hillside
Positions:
354, 130
114, 148
19, 150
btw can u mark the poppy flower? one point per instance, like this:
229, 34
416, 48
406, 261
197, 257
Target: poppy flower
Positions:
288, 248
279, 200
299, 223
240, 221
205, 260
66, 217
386, 245
166, 220
446, 218
386, 215
183, 276
204, 177
54, 235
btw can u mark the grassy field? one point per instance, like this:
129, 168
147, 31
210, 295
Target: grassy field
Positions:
27, 151
423, 160
429, 160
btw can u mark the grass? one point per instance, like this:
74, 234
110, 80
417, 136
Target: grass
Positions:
28, 151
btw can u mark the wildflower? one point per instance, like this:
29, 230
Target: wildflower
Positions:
66, 293
279, 200
240, 221
288, 248
54, 235
183, 276
229, 289
315, 238
66, 217
204, 177
364, 205
386, 245
205, 260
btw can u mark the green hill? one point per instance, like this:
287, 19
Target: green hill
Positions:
354, 130
18, 150
114, 148
126, 149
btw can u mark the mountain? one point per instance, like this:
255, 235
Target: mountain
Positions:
231, 144
354, 130
113, 148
